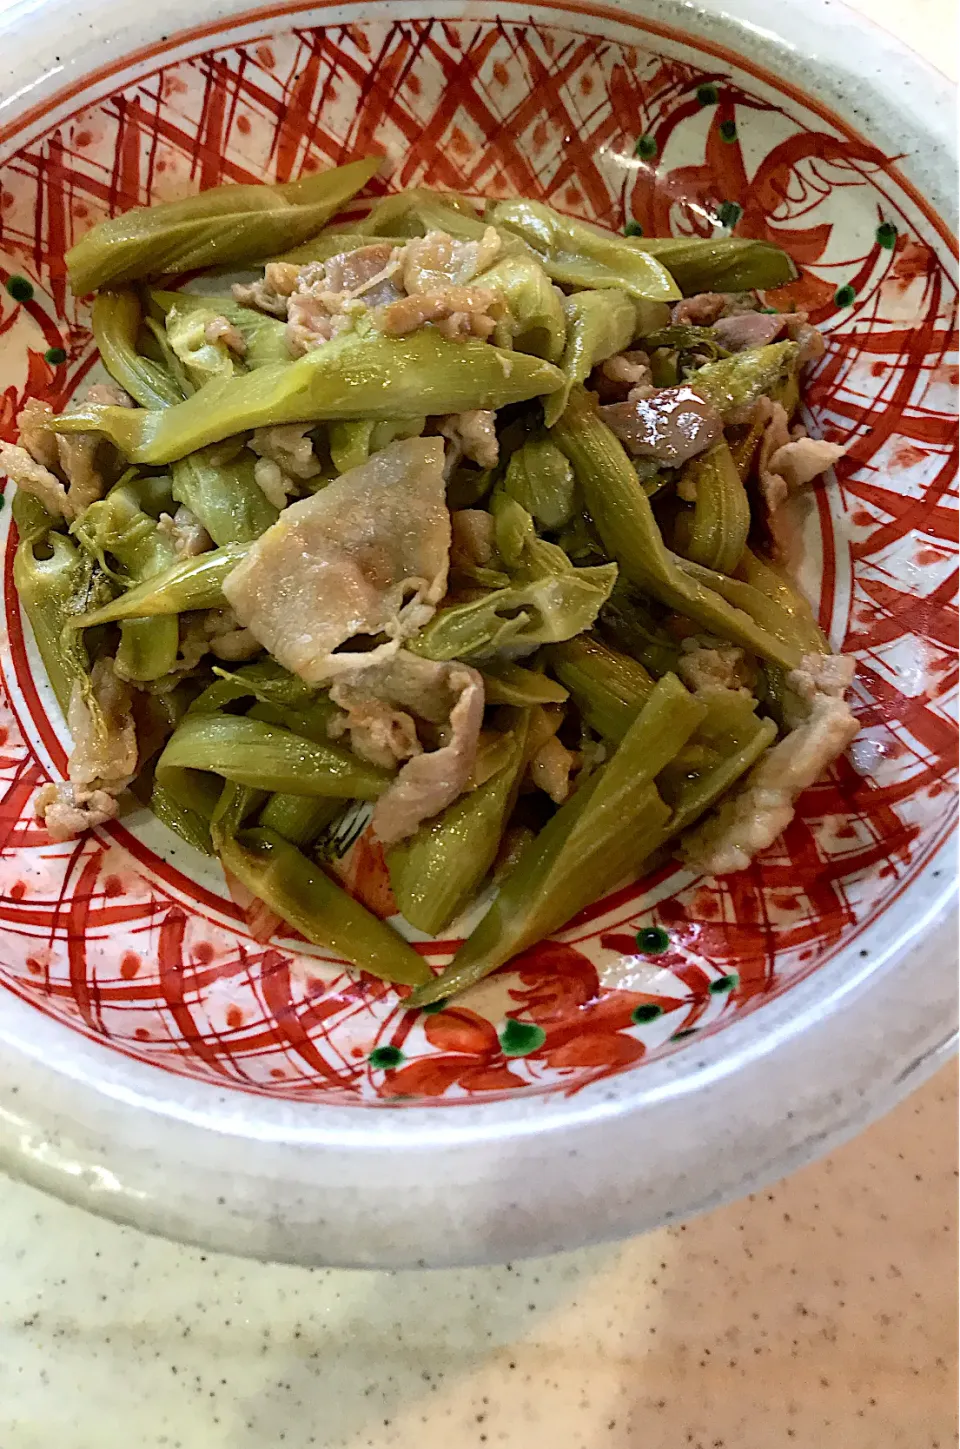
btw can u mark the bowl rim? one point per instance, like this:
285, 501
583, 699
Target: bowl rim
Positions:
69, 1120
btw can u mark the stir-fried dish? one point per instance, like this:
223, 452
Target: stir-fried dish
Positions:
451, 531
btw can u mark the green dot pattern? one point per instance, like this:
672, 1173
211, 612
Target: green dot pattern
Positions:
684, 1033
728, 130
707, 95
633, 228
729, 213
55, 355
20, 289
646, 147
520, 1038
723, 984
844, 296
652, 940
385, 1057
649, 1011
887, 235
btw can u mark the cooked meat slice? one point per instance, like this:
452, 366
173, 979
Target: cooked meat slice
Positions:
670, 425
104, 753
448, 696
551, 768
368, 272
473, 538
273, 482
474, 435
699, 311
803, 459
455, 311
186, 532
109, 394
717, 667
379, 732
35, 436
219, 329
272, 293
290, 447
313, 319
749, 329
438, 260
17, 464
762, 806
67, 811
86, 459
367, 556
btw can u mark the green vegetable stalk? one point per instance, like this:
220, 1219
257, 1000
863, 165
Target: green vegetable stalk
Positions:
536, 323
302, 894
226, 226
721, 517
599, 837
719, 264
196, 583
578, 255
737, 382
265, 337
116, 319
264, 756
599, 325
437, 872
624, 519
540, 479
608, 688
362, 373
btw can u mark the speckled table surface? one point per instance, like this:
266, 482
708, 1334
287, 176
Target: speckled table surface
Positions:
819, 1313
822, 1312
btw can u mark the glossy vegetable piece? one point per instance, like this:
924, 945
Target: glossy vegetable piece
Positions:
508, 683
539, 477
302, 894
265, 337
362, 373
735, 739
301, 819
201, 359
223, 227
721, 516
577, 255
413, 213
599, 325
719, 264
265, 681
608, 688
117, 526
536, 322
333, 243
551, 600
351, 443
196, 583
264, 756
190, 822
223, 494
598, 838
737, 382
54, 590
624, 519
116, 319
626, 619
235, 805
436, 873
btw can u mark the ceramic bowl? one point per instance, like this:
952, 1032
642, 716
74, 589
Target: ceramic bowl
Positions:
685, 1038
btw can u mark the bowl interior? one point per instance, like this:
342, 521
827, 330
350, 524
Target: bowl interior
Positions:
128, 937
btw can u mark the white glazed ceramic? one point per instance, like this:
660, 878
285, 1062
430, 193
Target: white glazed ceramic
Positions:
562, 1123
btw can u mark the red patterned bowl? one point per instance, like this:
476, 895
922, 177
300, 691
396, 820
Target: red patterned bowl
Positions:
685, 1037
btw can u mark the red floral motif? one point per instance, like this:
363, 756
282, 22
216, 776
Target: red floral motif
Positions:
469, 1057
